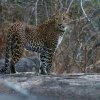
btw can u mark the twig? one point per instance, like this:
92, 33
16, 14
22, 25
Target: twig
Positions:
61, 5
84, 11
46, 9
32, 10
69, 6
87, 16
36, 11
77, 19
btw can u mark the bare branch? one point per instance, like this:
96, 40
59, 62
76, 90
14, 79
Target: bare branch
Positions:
46, 9
61, 5
78, 19
84, 11
36, 11
31, 12
69, 6
87, 16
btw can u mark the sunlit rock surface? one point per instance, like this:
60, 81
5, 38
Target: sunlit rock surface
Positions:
52, 87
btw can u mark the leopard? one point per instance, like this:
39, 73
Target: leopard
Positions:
42, 39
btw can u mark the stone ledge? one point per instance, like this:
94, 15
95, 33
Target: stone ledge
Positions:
57, 87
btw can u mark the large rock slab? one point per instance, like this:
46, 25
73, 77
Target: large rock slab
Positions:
51, 87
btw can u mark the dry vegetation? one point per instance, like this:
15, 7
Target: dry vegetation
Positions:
80, 48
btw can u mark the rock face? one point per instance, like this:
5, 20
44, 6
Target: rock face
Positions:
25, 64
51, 87
28, 64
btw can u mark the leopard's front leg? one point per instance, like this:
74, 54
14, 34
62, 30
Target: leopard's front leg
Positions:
46, 60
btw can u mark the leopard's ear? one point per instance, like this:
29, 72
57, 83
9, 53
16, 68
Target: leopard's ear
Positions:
69, 14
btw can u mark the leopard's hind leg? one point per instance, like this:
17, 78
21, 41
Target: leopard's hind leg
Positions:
17, 47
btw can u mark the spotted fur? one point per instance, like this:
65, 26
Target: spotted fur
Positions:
42, 39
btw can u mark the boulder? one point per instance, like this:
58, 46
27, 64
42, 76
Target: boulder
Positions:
28, 64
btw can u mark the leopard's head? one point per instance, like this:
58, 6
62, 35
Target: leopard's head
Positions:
62, 21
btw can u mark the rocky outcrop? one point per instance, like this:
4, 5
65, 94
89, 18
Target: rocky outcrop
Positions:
67, 87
